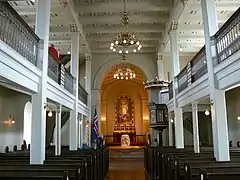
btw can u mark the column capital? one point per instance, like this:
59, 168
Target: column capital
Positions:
160, 56
194, 106
59, 108
88, 57
173, 26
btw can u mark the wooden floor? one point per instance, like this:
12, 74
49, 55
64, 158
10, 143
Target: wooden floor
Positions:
126, 164
126, 175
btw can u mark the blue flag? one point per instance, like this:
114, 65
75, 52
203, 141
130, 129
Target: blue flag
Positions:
95, 126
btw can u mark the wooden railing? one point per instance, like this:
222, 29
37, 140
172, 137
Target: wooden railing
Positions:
82, 94
170, 90
58, 73
226, 41
137, 140
16, 33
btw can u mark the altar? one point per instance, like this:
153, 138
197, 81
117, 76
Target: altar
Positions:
125, 140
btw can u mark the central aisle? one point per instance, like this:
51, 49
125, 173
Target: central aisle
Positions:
126, 163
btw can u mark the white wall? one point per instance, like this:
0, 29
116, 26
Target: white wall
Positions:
233, 111
11, 103
101, 63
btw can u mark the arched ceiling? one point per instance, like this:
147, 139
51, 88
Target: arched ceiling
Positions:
109, 75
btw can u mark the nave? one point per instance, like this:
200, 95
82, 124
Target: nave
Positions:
118, 163
126, 163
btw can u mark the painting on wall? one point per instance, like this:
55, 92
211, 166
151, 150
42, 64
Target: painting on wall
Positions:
124, 111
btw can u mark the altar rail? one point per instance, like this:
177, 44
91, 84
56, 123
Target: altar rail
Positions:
138, 140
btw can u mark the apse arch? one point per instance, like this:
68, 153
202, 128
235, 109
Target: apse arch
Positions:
112, 89
107, 66
27, 122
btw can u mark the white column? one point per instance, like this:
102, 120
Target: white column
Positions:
160, 66
88, 88
178, 118
217, 97
38, 129
57, 131
170, 130
195, 127
73, 142
80, 132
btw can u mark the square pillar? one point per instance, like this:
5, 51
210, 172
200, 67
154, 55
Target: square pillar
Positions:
195, 127
170, 129
179, 133
38, 129
178, 117
88, 82
73, 135
217, 96
57, 131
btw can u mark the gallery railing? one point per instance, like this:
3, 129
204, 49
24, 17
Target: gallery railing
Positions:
198, 65
58, 73
16, 33
82, 94
170, 90
53, 68
69, 81
182, 79
227, 39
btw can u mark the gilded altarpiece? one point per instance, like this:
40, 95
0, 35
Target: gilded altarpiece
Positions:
124, 118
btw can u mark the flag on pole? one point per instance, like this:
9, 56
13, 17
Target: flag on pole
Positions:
95, 126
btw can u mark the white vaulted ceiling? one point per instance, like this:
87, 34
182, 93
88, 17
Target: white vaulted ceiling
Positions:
99, 22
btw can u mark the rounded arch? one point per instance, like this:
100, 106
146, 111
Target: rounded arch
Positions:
27, 123
109, 64
112, 89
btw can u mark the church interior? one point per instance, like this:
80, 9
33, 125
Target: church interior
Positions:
119, 89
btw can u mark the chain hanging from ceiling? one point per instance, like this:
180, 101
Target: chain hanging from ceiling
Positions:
125, 41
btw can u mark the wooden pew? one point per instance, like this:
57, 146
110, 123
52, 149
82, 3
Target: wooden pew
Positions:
220, 174
94, 162
192, 170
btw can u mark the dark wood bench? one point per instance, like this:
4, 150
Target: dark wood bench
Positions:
220, 174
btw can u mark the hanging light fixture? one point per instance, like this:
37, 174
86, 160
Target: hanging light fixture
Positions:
125, 41
124, 72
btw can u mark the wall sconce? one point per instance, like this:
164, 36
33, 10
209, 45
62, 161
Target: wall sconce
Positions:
207, 112
238, 118
50, 114
10, 120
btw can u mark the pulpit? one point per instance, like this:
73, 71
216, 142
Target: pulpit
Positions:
158, 118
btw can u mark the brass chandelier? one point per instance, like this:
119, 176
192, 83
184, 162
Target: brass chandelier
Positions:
124, 41
124, 72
